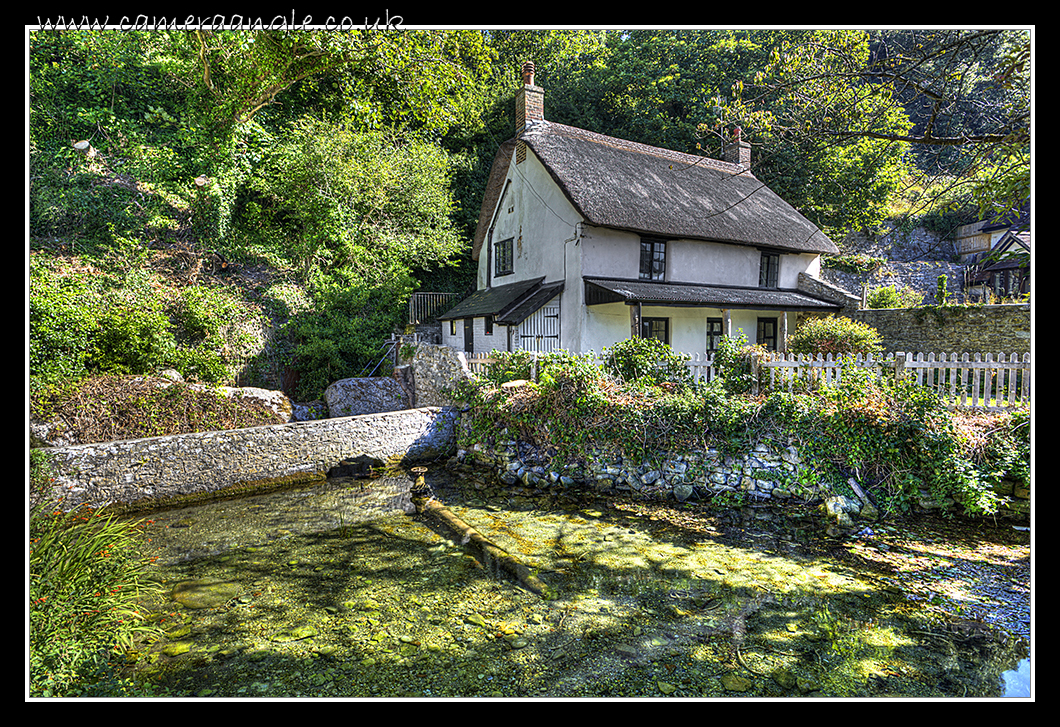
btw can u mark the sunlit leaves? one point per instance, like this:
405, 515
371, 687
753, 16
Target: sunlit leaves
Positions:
373, 203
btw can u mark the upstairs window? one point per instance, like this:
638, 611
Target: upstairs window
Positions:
652, 259
502, 257
769, 270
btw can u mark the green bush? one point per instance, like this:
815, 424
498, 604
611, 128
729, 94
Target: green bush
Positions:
508, 366
341, 336
647, 362
891, 296
894, 434
211, 327
334, 197
63, 319
837, 335
733, 362
896, 438
133, 340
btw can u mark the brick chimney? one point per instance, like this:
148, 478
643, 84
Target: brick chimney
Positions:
737, 151
529, 101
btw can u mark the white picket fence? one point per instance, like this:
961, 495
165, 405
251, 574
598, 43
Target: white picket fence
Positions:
964, 381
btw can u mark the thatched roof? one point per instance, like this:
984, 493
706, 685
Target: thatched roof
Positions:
623, 185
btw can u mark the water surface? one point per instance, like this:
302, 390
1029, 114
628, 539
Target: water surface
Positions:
293, 595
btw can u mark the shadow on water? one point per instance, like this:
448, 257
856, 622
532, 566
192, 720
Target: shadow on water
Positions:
295, 594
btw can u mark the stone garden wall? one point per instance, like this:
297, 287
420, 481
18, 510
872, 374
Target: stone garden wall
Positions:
955, 329
159, 470
435, 369
762, 475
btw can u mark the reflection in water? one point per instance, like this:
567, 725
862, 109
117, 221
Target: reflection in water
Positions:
217, 527
1018, 683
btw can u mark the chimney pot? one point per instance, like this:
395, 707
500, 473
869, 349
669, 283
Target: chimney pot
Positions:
528, 73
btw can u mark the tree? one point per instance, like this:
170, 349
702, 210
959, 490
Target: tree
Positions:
237, 83
375, 203
966, 92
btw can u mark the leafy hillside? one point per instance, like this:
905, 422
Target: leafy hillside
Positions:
255, 208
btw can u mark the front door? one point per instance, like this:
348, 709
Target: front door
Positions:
469, 336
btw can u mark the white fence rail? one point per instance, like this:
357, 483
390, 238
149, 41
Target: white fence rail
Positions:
964, 381
968, 381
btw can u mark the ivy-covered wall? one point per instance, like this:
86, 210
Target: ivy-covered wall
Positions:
994, 329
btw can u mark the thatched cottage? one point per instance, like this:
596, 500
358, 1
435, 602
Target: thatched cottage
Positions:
584, 240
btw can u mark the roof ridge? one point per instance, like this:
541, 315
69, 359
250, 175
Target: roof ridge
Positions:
632, 146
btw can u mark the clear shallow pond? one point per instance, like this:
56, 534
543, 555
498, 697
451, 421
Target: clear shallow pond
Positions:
286, 595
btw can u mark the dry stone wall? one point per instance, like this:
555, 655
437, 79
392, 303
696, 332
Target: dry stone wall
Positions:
762, 474
143, 473
953, 329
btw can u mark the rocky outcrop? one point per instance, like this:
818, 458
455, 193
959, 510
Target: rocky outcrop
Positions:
352, 397
61, 433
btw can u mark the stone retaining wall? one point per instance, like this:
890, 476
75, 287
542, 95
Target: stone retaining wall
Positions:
953, 329
143, 473
435, 369
763, 475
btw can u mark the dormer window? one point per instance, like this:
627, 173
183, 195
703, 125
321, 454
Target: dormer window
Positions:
652, 259
769, 270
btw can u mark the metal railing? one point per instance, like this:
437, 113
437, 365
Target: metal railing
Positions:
425, 307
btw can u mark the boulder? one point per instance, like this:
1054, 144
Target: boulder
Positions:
350, 397
310, 411
275, 400
842, 510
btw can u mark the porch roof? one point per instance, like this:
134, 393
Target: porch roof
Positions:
509, 304
603, 290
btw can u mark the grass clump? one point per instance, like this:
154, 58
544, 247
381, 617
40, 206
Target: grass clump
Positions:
87, 577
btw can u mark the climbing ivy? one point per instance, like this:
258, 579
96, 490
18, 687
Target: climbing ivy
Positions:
893, 437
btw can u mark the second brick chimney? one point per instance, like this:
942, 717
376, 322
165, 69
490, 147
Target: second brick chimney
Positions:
737, 151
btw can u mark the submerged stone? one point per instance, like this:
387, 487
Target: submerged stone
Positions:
205, 593
295, 633
736, 683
